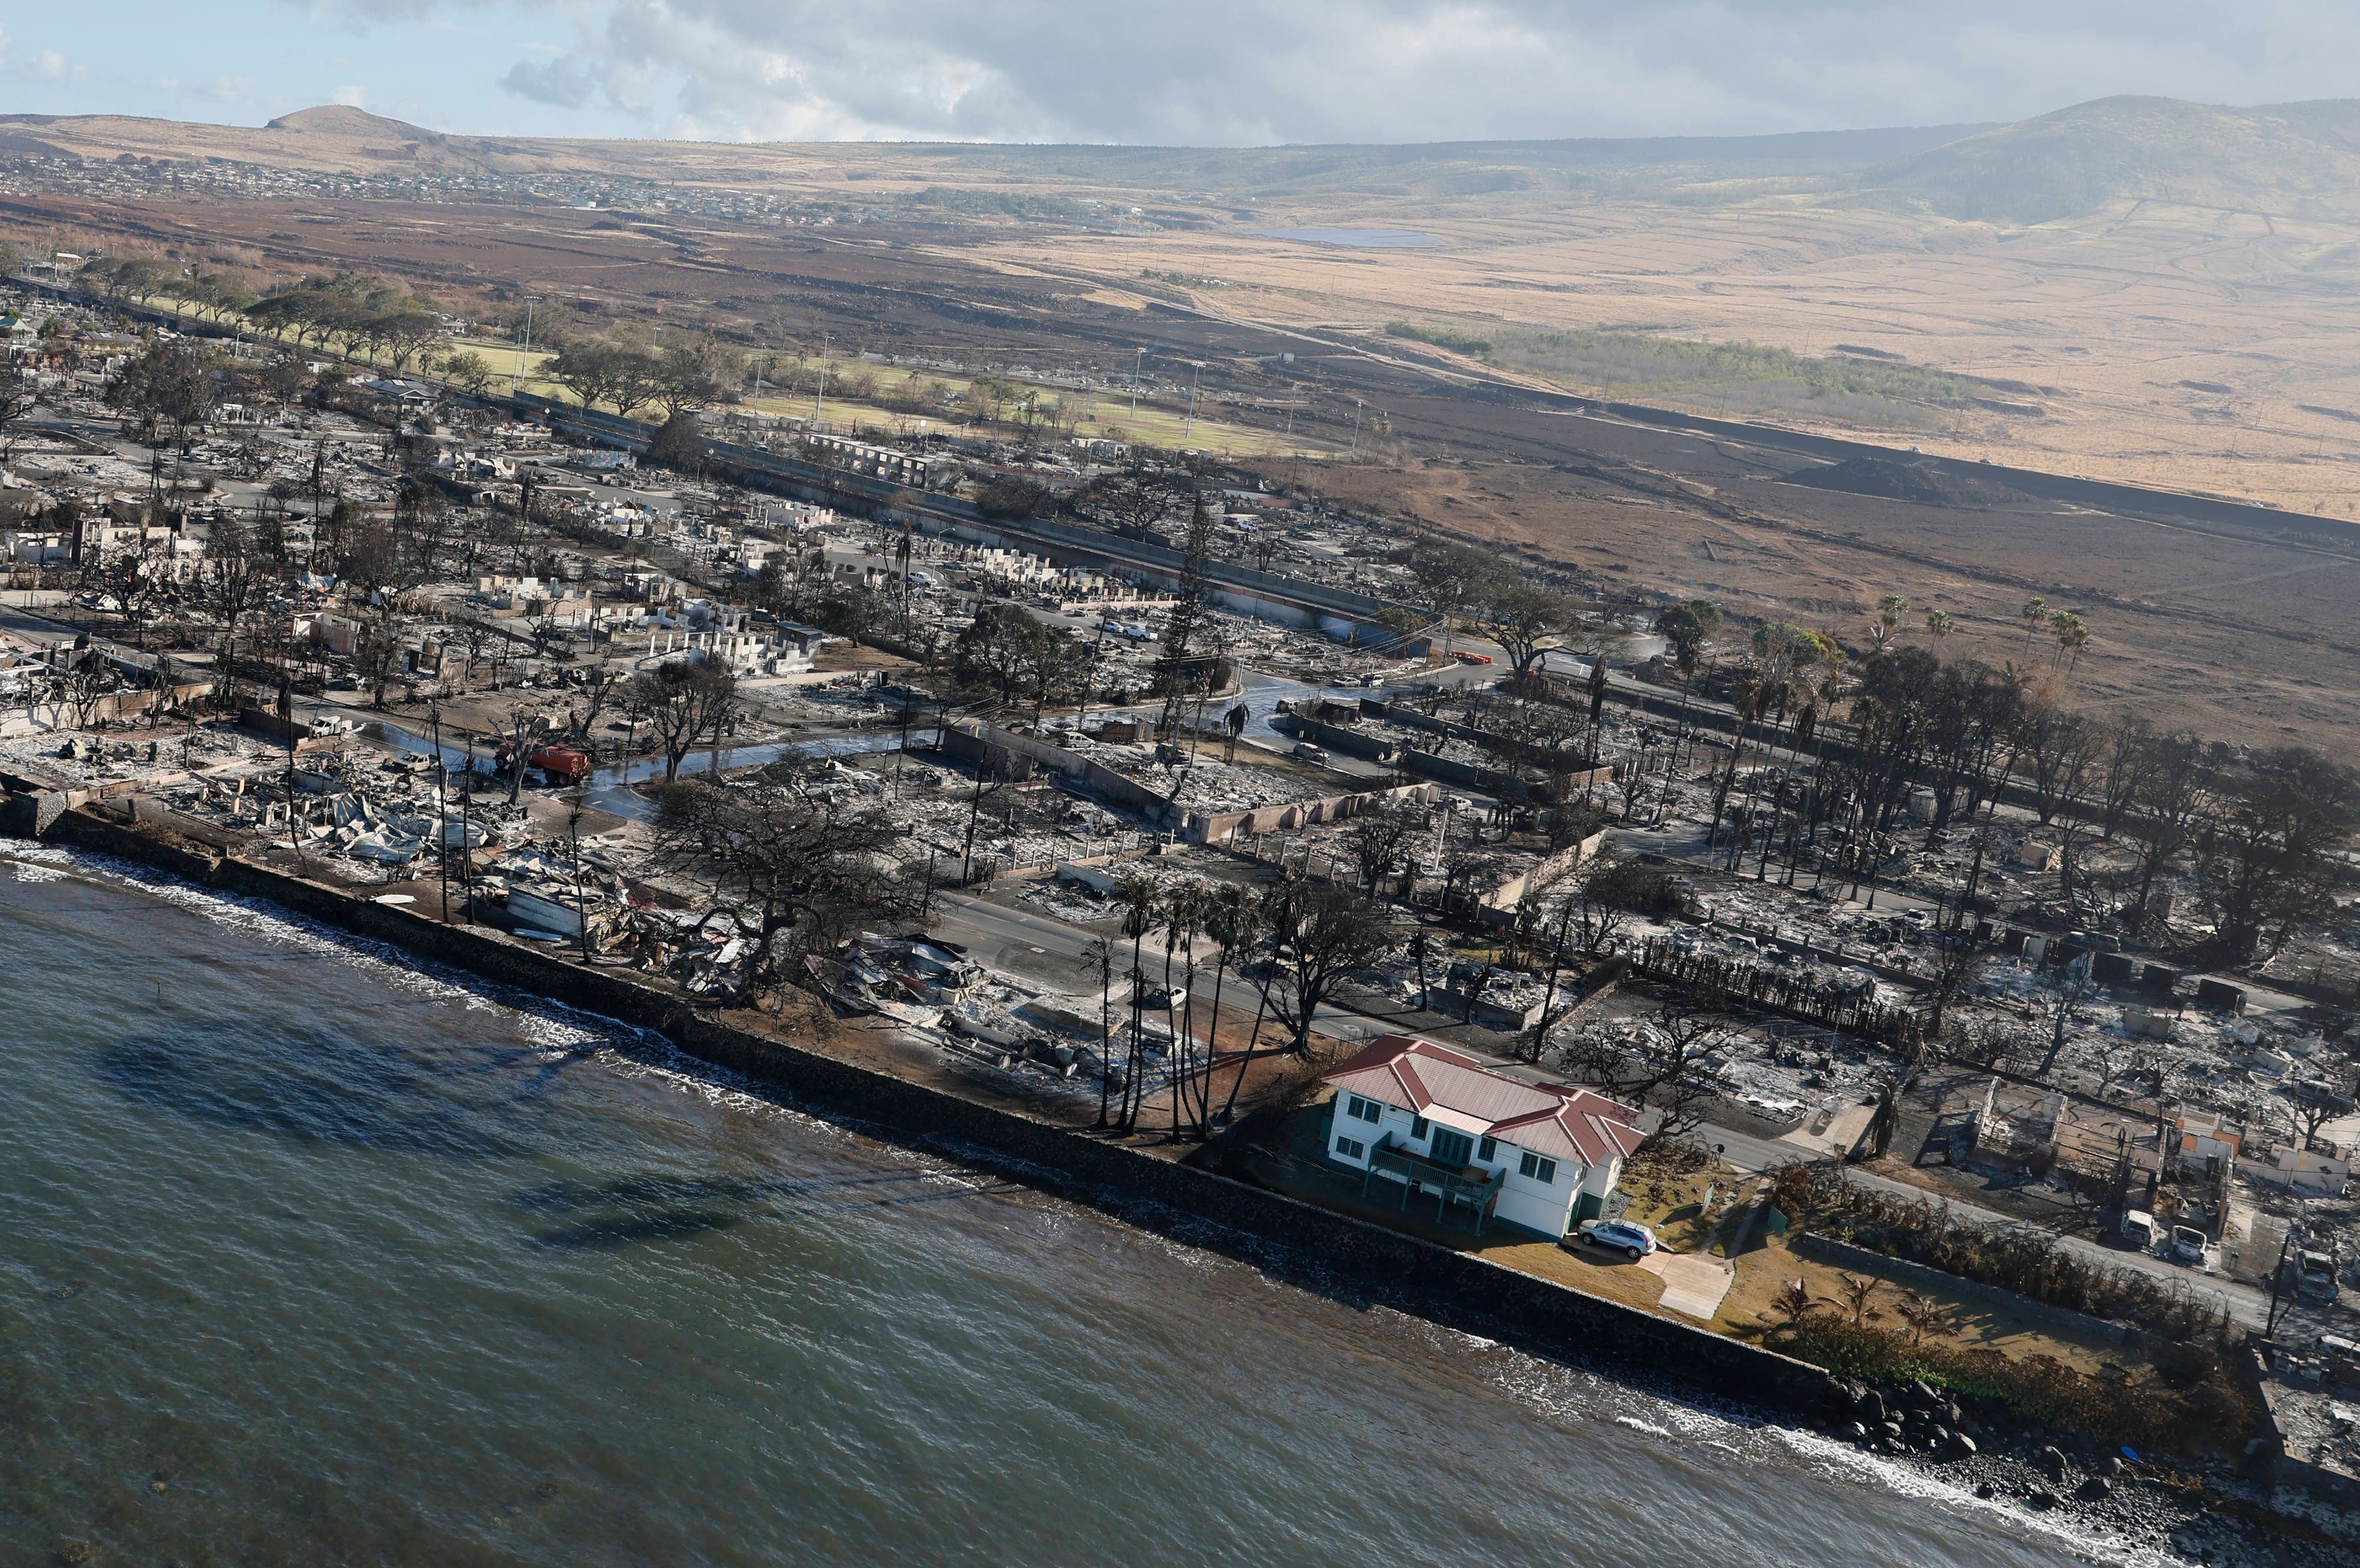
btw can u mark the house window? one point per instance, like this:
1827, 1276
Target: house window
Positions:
1417, 1130
1541, 1170
1365, 1110
1488, 1150
1351, 1148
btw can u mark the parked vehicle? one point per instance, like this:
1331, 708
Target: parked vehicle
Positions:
2187, 1245
1621, 1236
1310, 753
2343, 1357
2314, 1276
2140, 1230
1463, 657
560, 764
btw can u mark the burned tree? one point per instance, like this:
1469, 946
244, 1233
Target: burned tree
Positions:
797, 870
1380, 837
1315, 937
1667, 1061
2269, 849
680, 701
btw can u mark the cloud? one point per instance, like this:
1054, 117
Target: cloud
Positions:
564, 83
350, 96
1226, 72
52, 64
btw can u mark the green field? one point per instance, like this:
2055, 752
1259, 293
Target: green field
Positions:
1103, 415
1109, 418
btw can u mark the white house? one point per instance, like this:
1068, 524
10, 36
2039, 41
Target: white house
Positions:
1542, 1157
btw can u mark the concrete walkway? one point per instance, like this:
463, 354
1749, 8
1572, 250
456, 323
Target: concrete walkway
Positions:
1693, 1283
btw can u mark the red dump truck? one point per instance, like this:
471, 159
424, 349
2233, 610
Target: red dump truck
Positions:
560, 764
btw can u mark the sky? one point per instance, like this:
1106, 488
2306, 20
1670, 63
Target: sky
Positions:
1209, 73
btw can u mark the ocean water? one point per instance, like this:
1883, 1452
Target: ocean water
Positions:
309, 1257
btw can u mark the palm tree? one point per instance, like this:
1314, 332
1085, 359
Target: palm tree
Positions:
1793, 1302
1135, 896
1231, 921
2072, 636
1853, 1295
1925, 1315
2032, 614
1939, 624
1184, 921
1751, 699
1889, 611
1264, 914
1101, 958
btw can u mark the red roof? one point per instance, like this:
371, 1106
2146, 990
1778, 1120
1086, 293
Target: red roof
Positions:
1558, 1119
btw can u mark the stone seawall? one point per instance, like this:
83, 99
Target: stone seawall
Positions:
1202, 1207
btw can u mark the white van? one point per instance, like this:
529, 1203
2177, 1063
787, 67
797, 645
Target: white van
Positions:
1307, 752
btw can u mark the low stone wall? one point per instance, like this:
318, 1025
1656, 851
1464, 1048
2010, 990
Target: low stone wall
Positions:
2316, 1480
1845, 1255
1202, 1207
1504, 898
968, 739
1221, 827
1461, 773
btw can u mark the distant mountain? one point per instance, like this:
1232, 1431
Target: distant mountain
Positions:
2283, 158
343, 120
338, 137
2286, 159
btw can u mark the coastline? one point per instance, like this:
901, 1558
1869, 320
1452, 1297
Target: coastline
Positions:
1330, 1254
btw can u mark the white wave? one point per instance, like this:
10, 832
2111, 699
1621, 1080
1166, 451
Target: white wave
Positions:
1906, 1480
550, 1025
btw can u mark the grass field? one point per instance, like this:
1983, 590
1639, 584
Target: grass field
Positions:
1113, 419
1102, 415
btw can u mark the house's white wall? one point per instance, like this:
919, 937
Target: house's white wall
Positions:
1543, 1207
1367, 1133
1547, 1208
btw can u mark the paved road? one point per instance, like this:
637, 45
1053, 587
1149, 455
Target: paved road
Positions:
1040, 948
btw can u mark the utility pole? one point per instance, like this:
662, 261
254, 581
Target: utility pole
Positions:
819, 399
516, 382
574, 848
287, 717
467, 816
2278, 1276
1137, 361
442, 809
1194, 377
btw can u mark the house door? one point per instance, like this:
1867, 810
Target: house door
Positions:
1452, 1149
